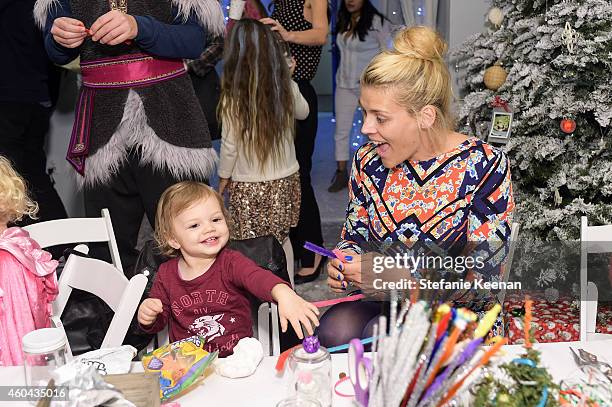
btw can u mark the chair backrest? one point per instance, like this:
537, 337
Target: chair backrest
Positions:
109, 284
288, 249
593, 239
508, 263
268, 332
77, 230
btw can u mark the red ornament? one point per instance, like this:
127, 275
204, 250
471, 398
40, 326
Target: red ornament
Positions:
568, 126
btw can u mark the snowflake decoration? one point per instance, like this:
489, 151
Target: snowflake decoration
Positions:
569, 37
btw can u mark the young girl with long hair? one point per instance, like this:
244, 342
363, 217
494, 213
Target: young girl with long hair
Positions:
362, 32
258, 107
303, 24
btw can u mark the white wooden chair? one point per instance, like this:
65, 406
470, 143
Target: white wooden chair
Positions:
109, 284
288, 249
593, 239
77, 230
268, 332
508, 264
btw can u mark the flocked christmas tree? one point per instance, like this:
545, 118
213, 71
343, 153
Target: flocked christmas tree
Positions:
558, 60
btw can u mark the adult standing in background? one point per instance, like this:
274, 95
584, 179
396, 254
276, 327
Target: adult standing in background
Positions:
138, 125
362, 32
303, 24
206, 83
28, 91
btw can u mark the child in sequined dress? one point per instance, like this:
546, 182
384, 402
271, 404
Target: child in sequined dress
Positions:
258, 107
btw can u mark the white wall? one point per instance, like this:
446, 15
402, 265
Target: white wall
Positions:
322, 82
467, 17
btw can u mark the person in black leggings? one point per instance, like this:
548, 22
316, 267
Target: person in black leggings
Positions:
29, 86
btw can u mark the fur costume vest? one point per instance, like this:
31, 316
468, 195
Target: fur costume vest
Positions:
164, 120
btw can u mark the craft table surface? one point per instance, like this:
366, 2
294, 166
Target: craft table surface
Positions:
265, 389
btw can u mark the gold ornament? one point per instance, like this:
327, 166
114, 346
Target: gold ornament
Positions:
495, 76
496, 16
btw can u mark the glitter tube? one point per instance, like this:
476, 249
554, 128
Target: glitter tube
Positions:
418, 389
488, 354
439, 386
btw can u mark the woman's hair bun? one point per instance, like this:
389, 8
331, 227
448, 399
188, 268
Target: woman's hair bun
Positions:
420, 42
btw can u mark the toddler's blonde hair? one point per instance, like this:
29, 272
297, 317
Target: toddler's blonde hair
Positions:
14, 200
415, 73
175, 200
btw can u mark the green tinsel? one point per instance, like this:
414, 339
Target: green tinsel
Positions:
492, 392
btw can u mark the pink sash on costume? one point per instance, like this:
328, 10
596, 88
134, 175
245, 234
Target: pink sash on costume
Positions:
127, 71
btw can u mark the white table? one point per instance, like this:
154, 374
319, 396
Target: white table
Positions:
264, 388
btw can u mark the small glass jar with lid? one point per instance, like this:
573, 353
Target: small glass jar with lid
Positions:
44, 350
310, 372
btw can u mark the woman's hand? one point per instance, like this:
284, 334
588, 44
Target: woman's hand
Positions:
223, 184
68, 32
149, 310
276, 26
294, 309
339, 273
114, 27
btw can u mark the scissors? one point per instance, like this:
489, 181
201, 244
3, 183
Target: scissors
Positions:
360, 371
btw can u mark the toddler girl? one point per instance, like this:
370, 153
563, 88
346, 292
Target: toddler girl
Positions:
203, 289
28, 282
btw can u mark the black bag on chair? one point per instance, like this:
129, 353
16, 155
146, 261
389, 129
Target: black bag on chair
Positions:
266, 252
147, 263
86, 318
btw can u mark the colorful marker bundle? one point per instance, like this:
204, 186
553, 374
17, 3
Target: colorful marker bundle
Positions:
429, 356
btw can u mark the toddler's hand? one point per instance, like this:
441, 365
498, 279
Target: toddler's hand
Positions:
148, 311
294, 309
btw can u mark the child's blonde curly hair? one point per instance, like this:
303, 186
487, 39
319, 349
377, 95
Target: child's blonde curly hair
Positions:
14, 199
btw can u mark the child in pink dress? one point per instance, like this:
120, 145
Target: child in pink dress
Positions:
28, 282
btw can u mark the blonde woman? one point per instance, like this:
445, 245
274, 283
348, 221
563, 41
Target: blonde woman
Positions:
417, 181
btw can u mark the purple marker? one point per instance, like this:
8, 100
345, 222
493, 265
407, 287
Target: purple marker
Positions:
320, 250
